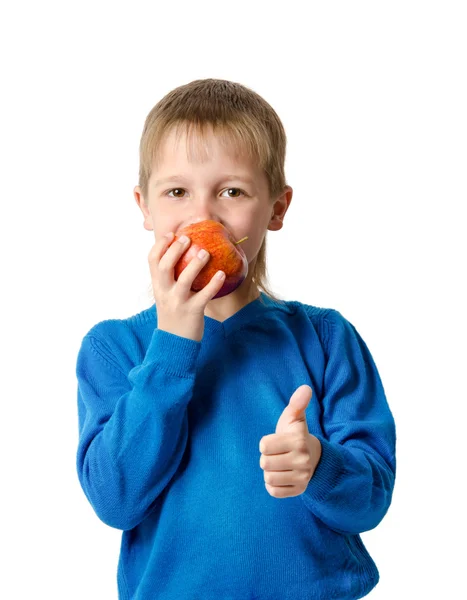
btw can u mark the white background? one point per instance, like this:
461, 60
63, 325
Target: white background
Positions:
373, 99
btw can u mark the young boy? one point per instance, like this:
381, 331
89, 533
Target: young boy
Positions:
241, 443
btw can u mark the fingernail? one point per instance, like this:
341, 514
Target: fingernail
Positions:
183, 239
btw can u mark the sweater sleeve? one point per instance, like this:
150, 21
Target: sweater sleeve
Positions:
133, 427
351, 488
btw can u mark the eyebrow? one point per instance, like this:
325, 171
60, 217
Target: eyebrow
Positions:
181, 178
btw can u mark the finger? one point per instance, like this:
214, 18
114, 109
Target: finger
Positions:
280, 462
159, 248
170, 258
280, 478
277, 443
189, 273
210, 290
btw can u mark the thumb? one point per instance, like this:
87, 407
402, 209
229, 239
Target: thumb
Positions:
293, 419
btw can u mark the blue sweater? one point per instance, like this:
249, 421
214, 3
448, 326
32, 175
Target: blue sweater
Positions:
168, 452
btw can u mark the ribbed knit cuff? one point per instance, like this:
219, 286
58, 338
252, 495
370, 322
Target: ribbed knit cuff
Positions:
330, 468
173, 353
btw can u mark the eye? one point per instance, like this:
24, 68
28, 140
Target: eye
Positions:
238, 190
228, 190
175, 189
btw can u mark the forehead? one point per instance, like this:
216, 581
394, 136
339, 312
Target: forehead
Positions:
200, 147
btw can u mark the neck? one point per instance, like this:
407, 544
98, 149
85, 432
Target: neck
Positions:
224, 307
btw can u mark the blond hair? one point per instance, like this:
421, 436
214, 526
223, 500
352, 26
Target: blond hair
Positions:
242, 119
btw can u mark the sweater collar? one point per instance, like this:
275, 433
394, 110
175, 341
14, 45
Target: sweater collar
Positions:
252, 310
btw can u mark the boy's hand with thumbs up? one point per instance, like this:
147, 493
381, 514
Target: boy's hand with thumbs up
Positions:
290, 456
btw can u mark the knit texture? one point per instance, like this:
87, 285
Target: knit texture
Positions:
168, 452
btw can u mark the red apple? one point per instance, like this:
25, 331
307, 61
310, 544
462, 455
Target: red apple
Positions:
225, 255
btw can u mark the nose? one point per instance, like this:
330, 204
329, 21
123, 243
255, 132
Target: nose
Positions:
203, 209
207, 217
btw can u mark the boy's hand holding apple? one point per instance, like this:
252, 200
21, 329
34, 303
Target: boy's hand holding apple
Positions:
183, 282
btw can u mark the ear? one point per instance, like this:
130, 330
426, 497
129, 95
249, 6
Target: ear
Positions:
147, 224
279, 209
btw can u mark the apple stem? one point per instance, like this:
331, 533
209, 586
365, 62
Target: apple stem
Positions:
242, 240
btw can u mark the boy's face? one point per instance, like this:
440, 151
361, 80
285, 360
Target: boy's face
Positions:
201, 190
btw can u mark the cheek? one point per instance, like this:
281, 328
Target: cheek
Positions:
252, 245
163, 226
